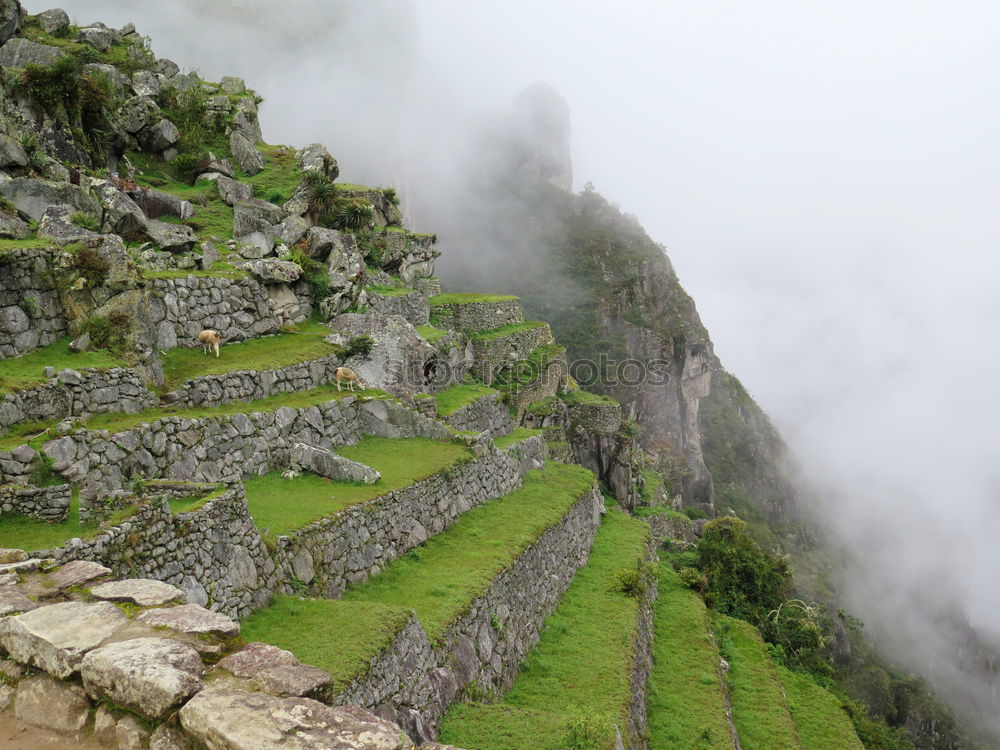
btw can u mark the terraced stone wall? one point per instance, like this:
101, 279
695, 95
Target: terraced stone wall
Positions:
493, 354
359, 542
208, 449
78, 394
477, 316
31, 313
413, 306
486, 413
249, 385
44, 503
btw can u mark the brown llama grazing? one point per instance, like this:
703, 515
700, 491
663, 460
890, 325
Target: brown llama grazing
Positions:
210, 340
347, 375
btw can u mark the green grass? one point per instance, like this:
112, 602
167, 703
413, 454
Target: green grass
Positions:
441, 578
194, 502
31, 242
686, 698
579, 673
760, 711
284, 505
390, 291
455, 397
516, 436
336, 636
25, 371
431, 334
214, 273
504, 331
267, 353
281, 174
580, 396
464, 298
819, 716
33, 535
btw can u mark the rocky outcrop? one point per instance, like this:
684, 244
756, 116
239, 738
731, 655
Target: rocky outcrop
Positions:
328, 464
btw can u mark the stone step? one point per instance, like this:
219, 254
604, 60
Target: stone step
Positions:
457, 613
475, 312
593, 652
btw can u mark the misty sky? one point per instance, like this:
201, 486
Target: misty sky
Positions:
824, 176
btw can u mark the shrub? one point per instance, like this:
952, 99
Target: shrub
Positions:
90, 266
86, 220
53, 87
589, 730
373, 246
634, 581
352, 215
188, 165
391, 195
313, 272
275, 196
112, 333
322, 197
360, 345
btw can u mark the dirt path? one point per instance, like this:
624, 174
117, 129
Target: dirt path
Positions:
16, 735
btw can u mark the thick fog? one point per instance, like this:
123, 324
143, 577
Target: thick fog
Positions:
825, 177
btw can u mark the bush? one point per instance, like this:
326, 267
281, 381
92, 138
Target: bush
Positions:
352, 215
634, 581
112, 333
373, 246
313, 272
360, 346
86, 220
391, 195
53, 87
90, 266
188, 165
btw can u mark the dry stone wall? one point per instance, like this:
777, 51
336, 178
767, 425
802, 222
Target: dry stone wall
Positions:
493, 354
412, 306
477, 316
31, 313
487, 413
44, 503
78, 394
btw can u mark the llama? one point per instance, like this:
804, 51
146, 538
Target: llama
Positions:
347, 375
210, 340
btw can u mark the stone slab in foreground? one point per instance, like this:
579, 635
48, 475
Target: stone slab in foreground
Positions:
145, 592
226, 719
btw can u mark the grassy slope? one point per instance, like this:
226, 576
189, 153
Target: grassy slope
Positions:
284, 505
455, 397
686, 698
516, 436
267, 353
760, 711
441, 578
359, 630
431, 334
819, 715
575, 683
25, 371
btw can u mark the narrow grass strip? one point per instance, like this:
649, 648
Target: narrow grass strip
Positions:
339, 637
431, 334
457, 396
266, 353
18, 373
687, 707
283, 505
503, 331
760, 711
518, 434
441, 578
819, 716
466, 298
575, 685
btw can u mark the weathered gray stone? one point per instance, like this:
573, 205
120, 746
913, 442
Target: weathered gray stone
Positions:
138, 112
259, 209
56, 637
174, 238
13, 600
69, 376
12, 554
233, 85
10, 19
219, 166
227, 719
130, 734
191, 618
12, 227
57, 225
77, 572
254, 658
329, 464
145, 592
292, 229
97, 37
53, 21
245, 154
149, 675
146, 83
18, 53
232, 191
12, 153
51, 704
31, 197
166, 738
121, 214
271, 271
161, 136
104, 726
209, 255
294, 681
315, 157
156, 203
168, 68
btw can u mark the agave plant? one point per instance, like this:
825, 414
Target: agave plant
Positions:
354, 215
322, 197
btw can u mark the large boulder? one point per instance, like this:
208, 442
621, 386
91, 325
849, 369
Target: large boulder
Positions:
31, 197
191, 618
292, 229
57, 637
12, 153
271, 271
398, 361
174, 238
51, 704
259, 209
18, 53
156, 203
150, 675
276, 671
10, 19
315, 158
53, 21
245, 154
98, 37
121, 214
345, 267
233, 85
229, 719
138, 112
12, 228
328, 464
116, 77
146, 83
146, 592
231, 191
57, 225
160, 136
